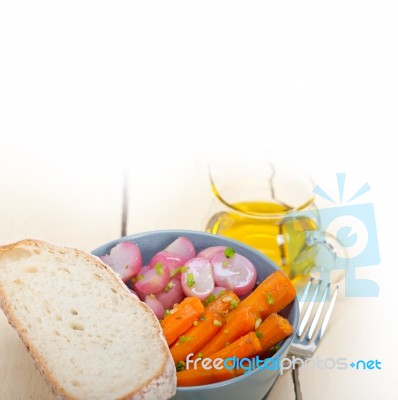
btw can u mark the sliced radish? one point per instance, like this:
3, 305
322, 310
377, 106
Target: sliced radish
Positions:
171, 294
235, 272
171, 260
209, 252
155, 305
218, 289
197, 278
182, 247
125, 259
152, 280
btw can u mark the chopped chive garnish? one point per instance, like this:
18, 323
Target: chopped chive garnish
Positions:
152, 296
185, 339
229, 252
209, 299
169, 286
184, 268
234, 304
224, 264
270, 299
274, 349
259, 335
195, 323
202, 317
180, 366
190, 280
175, 271
140, 277
159, 268
217, 322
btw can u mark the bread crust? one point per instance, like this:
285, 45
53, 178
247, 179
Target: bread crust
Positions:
149, 390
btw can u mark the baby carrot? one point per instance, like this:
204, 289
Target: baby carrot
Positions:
202, 376
241, 323
244, 347
224, 302
273, 330
196, 337
181, 318
272, 295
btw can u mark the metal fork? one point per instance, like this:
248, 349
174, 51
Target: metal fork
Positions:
304, 344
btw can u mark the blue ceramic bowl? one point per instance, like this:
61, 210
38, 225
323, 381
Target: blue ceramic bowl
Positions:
251, 386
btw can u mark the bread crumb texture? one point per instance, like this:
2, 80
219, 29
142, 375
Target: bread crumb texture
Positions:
91, 338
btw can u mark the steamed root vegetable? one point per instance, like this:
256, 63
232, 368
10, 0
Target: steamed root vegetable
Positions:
234, 272
272, 295
155, 305
197, 336
274, 329
209, 252
171, 294
197, 278
125, 259
181, 247
181, 318
224, 302
240, 324
172, 261
246, 346
202, 376
152, 280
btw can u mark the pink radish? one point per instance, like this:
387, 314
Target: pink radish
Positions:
152, 280
155, 305
209, 252
235, 272
171, 260
197, 278
218, 289
171, 294
182, 247
125, 259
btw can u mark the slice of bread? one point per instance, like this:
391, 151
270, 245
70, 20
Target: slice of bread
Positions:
87, 334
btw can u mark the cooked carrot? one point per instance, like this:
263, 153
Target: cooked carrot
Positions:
241, 323
224, 303
273, 330
201, 376
196, 337
181, 318
272, 295
244, 347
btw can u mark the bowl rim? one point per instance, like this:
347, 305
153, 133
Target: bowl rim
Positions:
180, 232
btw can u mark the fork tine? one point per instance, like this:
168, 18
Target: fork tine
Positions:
305, 294
309, 309
318, 312
327, 316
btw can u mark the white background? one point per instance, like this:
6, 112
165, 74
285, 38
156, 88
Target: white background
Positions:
166, 87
